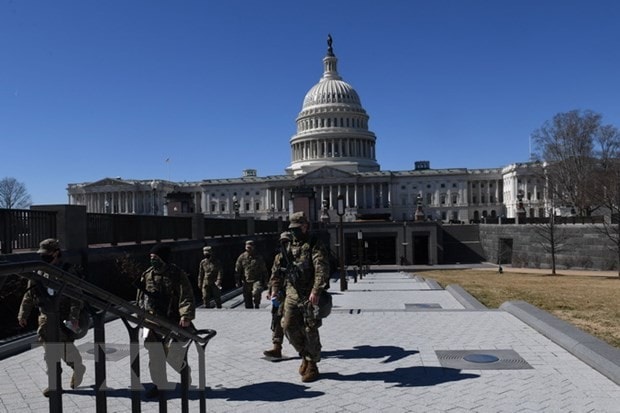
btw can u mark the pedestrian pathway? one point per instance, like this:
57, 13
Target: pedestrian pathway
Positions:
394, 342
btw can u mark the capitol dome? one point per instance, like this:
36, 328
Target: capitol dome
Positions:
332, 127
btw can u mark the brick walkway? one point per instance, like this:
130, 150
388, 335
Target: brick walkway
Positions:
393, 343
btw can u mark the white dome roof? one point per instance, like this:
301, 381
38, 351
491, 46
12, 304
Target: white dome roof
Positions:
330, 91
332, 127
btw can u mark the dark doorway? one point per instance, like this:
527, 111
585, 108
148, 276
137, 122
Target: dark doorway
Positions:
379, 250
504, 251
420, 250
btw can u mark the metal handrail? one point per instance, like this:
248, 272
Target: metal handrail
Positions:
97, 298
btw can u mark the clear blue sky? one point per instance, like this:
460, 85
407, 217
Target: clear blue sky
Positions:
93, 89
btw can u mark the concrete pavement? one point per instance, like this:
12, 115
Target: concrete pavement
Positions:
394, 342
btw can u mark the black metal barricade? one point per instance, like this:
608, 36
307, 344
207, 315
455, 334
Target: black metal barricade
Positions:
101, 302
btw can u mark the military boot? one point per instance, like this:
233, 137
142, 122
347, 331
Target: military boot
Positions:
302, 368
275, 352
311, 373
78, 376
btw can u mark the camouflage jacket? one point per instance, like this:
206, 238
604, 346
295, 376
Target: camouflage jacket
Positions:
210, 271
36, 292
309, 260
251, 267
167, 292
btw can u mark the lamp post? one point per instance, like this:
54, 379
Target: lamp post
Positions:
360, 251
403, 261
340, 212
154, 188
236, 206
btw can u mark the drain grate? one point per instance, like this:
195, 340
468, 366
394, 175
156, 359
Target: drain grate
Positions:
418, 306
481, 359
113, 351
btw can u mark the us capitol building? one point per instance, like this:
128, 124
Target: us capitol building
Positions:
332, 154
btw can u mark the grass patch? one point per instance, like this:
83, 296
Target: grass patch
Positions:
590, 303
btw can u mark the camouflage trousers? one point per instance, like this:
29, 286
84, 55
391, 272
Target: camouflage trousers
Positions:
252, 291
303, 335
65, 348
161, 352
210, 291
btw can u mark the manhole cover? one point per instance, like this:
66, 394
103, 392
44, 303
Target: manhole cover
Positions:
481, 358
112, 351
107, 350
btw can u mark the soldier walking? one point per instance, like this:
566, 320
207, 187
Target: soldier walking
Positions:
276, 293
165, 291
308, 269
210, 278
251, 272
69, 309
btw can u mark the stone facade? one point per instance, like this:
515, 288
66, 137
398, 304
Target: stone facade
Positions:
585, 246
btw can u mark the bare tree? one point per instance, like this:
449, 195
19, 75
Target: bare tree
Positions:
13, 194
552, 238
572, 144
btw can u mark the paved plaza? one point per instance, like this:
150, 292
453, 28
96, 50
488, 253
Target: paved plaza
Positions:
393, 343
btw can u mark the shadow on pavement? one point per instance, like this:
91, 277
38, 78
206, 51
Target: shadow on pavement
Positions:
274, 391
392, 353
406, 376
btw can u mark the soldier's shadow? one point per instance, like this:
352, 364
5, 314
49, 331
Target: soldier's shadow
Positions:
271, 391
417, 376
392, 353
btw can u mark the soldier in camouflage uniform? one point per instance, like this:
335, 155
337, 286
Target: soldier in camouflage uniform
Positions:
210, 278
276, 293
165, 291
251, 271
300, 320
38, 296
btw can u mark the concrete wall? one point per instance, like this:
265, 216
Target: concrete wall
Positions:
585, 246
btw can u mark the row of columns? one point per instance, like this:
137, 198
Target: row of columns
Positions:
333, 148
119, 202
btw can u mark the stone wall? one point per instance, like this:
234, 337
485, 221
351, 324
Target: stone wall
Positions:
584, 246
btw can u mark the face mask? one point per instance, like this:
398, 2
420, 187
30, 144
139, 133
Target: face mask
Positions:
208, 255
155, 263
296, 232
47, 258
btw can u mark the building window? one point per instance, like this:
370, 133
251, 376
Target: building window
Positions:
247, 206
257, 206
442, 199
454, 198
213, 207
443, 185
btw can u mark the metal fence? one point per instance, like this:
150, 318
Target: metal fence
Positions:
24, 228
118, 228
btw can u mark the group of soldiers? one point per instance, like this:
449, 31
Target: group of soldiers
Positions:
299, 275
300, 272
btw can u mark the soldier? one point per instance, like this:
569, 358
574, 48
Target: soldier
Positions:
210, 278
251, 271
276, 293
307, 270
69, 310
165, 291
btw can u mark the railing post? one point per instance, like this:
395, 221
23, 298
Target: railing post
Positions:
53, 351
134, 355
100, 359
198, 226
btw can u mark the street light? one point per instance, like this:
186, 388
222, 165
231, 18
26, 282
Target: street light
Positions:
360, 251
403, 261
154, 188
340, 212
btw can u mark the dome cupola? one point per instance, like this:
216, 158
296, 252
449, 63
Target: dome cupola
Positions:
332, 127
